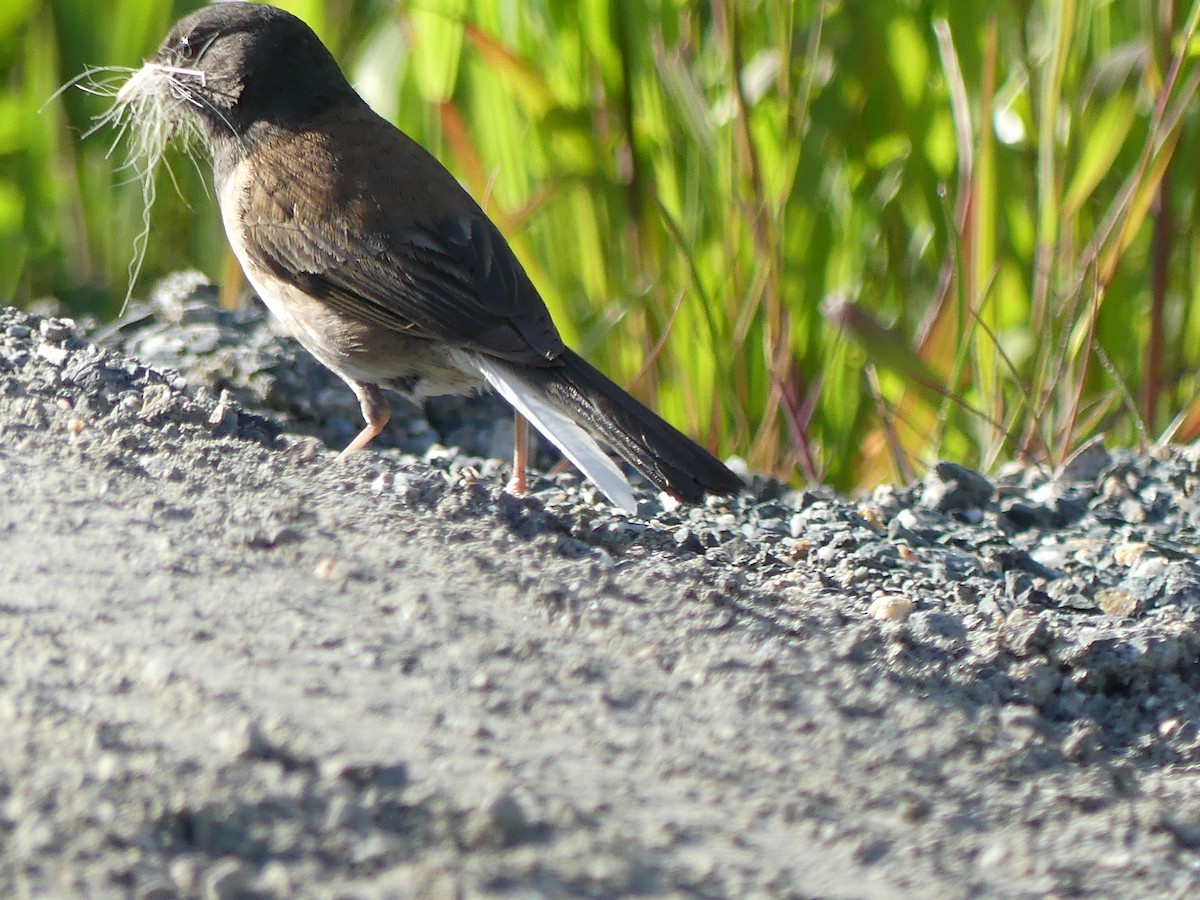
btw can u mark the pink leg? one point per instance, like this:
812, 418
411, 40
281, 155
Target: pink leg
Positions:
520, 454
375, 411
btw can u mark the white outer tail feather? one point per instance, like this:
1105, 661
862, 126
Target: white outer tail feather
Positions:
576, 444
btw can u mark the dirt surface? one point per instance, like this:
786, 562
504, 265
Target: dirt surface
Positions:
236, 667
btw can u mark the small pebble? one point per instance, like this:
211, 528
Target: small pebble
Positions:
54, 355
890, 608
57, 330
502, 822
1128, 553
1168, 727
1116, 601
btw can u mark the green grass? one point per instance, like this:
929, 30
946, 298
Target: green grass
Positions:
840, 239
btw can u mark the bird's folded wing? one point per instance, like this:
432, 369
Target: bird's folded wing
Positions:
448, 276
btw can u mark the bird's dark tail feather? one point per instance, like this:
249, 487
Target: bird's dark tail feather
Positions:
667, 457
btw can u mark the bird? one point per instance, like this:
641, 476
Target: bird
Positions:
371, 254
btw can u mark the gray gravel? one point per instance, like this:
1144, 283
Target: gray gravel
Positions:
237, 667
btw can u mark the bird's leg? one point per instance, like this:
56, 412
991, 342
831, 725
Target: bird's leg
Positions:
375, 411
520, 454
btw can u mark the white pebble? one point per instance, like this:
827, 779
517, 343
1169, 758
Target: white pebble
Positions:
890, 607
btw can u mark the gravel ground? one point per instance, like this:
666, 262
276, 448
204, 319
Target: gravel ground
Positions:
236, 667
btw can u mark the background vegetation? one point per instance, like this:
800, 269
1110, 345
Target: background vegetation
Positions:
849, 237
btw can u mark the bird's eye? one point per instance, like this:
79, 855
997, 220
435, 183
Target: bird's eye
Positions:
187, 50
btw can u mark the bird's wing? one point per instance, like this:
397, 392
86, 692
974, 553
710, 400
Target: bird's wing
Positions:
386, 235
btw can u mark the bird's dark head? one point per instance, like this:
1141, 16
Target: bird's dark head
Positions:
233, 68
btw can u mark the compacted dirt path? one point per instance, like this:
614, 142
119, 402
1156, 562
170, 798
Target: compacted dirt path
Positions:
231, 666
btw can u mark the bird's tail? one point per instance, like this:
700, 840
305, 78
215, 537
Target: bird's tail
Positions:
574, 405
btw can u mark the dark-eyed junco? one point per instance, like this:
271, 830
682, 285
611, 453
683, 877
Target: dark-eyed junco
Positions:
374, 257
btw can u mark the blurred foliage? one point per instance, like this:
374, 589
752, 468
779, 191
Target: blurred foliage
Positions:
841, 239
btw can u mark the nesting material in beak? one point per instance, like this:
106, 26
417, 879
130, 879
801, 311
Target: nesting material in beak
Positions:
143, 109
